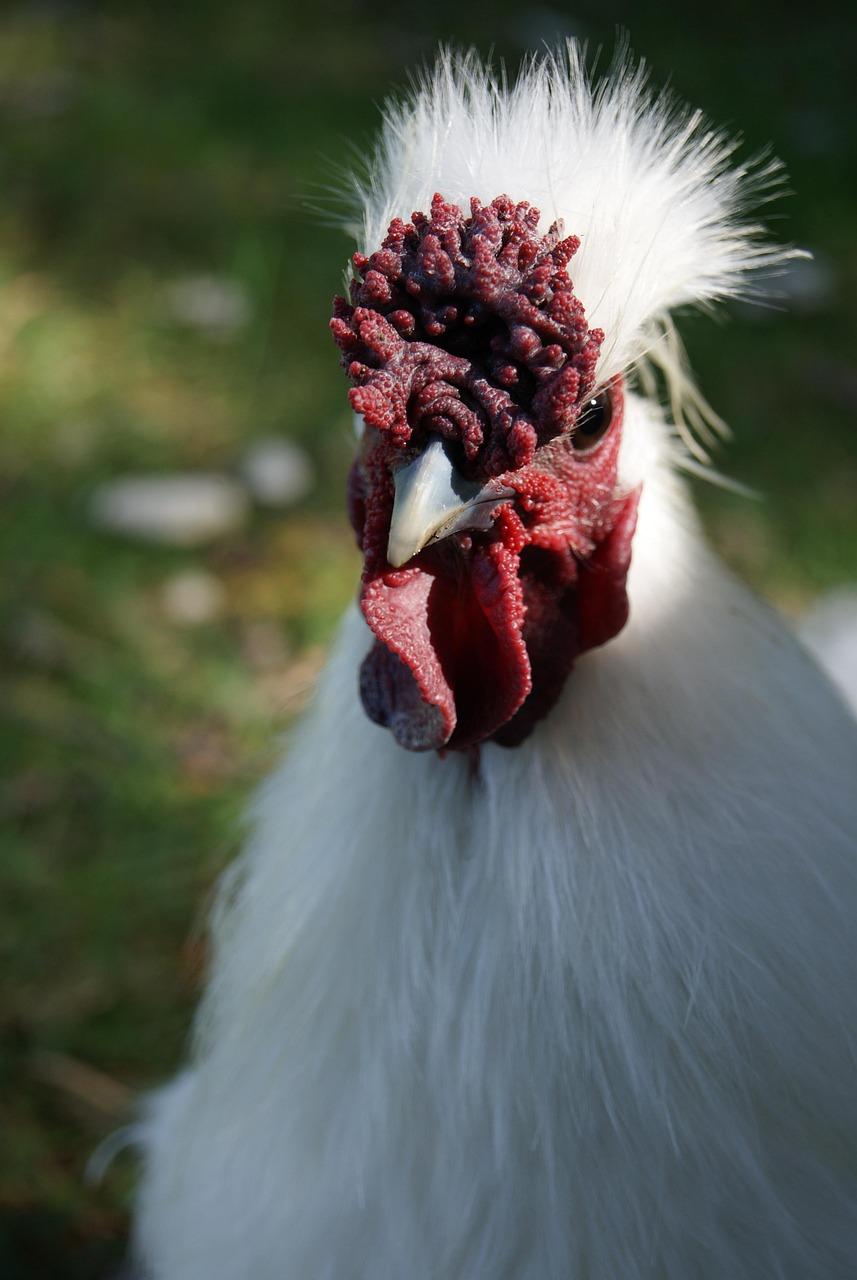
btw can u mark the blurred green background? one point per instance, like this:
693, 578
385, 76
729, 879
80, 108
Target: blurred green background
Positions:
164, 291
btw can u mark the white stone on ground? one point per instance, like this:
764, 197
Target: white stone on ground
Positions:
277, 472
213, 303
193, 597
830, 631
181, 510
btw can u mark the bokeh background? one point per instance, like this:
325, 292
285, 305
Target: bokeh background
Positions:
167, 258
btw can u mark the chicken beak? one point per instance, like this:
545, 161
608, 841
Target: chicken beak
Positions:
432, 500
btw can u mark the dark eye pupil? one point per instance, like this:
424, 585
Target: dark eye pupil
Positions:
592, 422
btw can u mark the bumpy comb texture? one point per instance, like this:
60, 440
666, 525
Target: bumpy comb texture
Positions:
651, 190
469, 328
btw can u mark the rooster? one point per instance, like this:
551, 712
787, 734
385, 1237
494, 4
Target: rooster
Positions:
541, 962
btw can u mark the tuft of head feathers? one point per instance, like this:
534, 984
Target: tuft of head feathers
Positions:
644, 182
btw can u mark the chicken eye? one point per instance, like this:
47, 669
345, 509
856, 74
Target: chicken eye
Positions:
592, 423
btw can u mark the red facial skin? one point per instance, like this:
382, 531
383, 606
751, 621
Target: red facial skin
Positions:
474, 334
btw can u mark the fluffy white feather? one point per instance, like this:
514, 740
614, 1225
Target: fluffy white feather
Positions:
588, 1014
830, 632
645, 183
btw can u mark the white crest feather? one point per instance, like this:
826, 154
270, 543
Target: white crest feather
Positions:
644, 182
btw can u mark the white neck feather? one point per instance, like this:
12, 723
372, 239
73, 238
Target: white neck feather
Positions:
531, 1023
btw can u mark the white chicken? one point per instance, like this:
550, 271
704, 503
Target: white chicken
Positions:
548, 973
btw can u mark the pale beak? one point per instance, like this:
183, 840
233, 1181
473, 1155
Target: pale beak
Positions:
432, 500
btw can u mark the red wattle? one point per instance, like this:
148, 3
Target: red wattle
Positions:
450, 664
402, 683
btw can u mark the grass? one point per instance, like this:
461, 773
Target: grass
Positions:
141, 146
